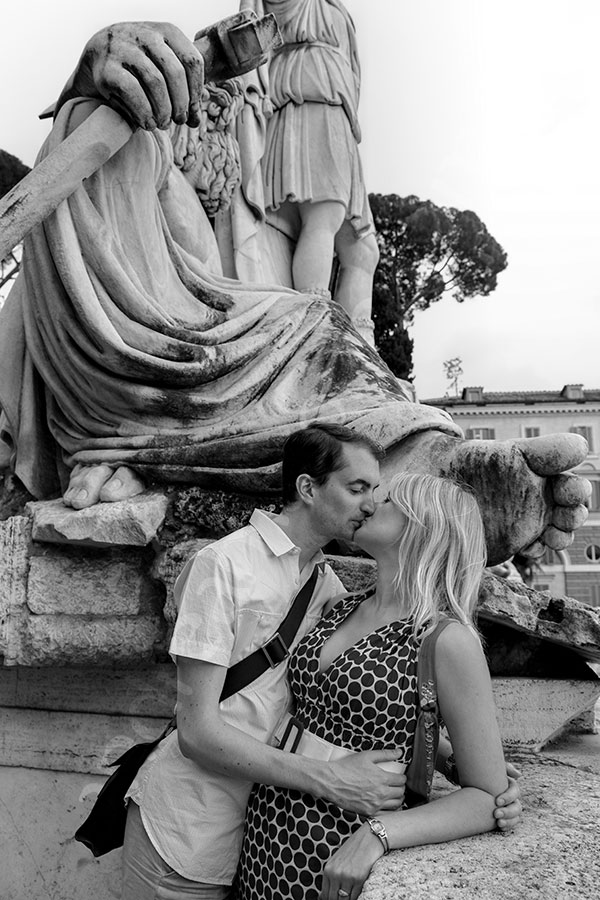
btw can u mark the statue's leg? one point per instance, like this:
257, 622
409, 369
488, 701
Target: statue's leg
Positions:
313, 256
358, 258
526, 498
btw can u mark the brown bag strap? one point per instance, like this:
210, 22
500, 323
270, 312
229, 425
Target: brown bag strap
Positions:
419, 775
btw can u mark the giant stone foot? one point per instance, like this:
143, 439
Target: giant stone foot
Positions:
527, 498
101, 483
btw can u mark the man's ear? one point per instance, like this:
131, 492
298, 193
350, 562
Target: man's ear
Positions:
304, 488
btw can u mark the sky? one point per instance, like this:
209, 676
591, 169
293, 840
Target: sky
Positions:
489, 105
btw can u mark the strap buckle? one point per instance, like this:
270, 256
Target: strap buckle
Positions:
292, 735
276, 650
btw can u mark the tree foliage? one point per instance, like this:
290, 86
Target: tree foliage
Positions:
426, 251
11, 171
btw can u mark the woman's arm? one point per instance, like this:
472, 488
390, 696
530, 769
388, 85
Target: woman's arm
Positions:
467, 707
508, 804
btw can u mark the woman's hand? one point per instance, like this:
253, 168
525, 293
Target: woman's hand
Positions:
350, 866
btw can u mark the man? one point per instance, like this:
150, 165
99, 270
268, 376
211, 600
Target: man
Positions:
186, 819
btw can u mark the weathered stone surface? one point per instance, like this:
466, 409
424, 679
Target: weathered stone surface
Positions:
197, 512
15, 535
70, 742
83, 582
563, 621
532, 711
167, 567
133, 522
146, 691
59, 640
552, 855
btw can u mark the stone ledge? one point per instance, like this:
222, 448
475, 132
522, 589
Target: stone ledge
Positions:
132, 522
552, 854
116, 703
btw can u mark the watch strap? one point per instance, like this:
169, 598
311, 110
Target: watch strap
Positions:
378, 829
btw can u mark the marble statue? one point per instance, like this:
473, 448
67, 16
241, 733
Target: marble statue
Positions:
303, 196
312, 185
127, 357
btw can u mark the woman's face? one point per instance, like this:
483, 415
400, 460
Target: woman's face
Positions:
383, 529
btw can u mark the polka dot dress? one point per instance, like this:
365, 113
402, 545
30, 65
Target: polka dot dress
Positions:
366, 700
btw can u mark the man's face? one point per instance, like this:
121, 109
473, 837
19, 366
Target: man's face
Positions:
346, 499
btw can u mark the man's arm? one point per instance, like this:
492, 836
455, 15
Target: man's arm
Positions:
355, 782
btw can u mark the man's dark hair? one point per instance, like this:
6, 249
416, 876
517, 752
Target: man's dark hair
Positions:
318, 451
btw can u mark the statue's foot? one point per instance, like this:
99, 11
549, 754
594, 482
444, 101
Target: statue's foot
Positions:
101, 484
527, 499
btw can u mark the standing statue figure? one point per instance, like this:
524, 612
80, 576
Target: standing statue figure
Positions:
313, 190
126, 356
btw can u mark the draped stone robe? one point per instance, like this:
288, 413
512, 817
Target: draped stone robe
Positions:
119, 346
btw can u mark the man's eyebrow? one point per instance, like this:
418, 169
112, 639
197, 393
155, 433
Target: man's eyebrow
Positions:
364, 482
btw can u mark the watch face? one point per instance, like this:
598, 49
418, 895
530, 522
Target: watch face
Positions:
376, 827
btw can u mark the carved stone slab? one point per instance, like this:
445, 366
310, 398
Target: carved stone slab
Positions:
132, 522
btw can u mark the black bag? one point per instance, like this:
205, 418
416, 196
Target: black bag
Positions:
104, 828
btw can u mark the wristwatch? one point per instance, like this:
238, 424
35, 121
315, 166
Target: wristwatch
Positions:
378, 829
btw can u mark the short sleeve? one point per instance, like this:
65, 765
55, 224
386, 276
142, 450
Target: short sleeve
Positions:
205, 626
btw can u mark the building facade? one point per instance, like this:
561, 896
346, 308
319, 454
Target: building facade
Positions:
485, 415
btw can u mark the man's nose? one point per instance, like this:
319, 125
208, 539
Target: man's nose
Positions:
368, 504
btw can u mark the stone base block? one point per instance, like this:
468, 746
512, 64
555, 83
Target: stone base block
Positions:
85, 640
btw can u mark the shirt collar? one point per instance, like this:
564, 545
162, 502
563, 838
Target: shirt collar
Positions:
275, 537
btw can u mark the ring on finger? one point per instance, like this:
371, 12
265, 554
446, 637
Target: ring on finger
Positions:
343, 893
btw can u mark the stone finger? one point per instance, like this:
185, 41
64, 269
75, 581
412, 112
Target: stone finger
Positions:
568, 518
534, 551
553, 454
571, 490
556, 539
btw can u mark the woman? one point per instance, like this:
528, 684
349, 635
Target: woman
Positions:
354, 681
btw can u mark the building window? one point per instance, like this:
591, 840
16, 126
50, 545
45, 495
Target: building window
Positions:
531, 431
595, 594
481, 434
550, 558
586, 432
473, 395
595, 498
593, 553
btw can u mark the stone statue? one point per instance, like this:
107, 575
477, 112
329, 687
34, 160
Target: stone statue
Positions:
128, 357
312, 190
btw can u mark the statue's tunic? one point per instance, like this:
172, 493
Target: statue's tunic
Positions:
312, 138
118, 346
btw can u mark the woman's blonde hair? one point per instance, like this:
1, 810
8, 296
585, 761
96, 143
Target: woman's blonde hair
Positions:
442, 551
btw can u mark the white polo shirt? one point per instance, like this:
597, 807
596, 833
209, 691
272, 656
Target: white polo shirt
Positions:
231, 598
